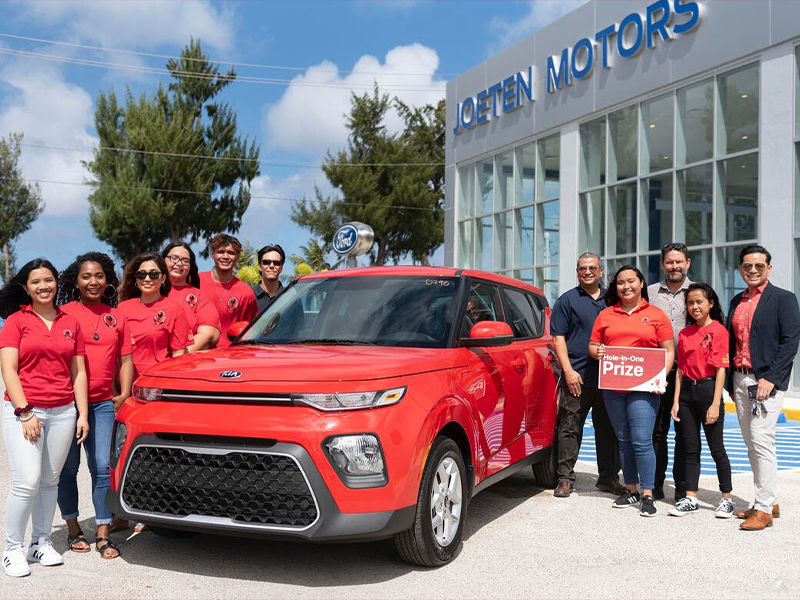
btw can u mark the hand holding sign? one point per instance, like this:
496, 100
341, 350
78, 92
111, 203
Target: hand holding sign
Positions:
633, 369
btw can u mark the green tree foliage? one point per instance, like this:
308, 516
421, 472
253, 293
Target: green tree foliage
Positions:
394, 183
170, 166
312, 256
20, 203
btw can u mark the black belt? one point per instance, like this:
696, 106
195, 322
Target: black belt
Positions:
745, 370
697, 381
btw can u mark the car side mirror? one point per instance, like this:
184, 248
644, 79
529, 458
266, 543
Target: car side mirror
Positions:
489, 334
236, 329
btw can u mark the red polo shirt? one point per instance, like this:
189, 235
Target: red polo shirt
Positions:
45, 357
157, 330
703, 350
197, 307
234, 301
742, 322
113, 340
645, 327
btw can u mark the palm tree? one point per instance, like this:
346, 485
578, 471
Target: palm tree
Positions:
312, 254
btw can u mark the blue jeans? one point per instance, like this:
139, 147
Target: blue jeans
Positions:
98, 448
632, 416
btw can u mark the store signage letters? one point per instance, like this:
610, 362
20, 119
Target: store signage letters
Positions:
632, 33
506, 95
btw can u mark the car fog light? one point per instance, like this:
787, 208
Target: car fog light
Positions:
358, 460
118, 441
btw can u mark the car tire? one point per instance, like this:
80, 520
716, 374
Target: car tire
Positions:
435, 538
545, 472
175, 534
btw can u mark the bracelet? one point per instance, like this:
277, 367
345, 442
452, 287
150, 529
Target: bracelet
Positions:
20, 411
30, 416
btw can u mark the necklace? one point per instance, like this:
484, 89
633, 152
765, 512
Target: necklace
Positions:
95, 336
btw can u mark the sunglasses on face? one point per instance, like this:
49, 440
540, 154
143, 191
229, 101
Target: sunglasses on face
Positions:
760, 267
178, 260
267, 262
153, 275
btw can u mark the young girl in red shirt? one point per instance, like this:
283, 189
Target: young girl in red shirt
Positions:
702, 360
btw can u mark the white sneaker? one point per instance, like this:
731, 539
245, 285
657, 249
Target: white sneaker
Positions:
725, 509
44, 553
15, 564
684, 506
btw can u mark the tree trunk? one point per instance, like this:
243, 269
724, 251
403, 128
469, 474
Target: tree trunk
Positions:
380, 259
7, 261
425, 261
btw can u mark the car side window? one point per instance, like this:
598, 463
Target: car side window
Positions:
484, 304
521, 315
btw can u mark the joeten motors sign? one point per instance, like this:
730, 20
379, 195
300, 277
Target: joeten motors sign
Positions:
662, 20
633, 369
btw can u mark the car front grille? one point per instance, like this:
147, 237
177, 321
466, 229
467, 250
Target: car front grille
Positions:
253, 488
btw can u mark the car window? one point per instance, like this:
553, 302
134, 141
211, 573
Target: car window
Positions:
483, 304
521, 315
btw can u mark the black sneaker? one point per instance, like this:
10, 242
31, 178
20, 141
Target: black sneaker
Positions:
648, 507
627, 499
684, 506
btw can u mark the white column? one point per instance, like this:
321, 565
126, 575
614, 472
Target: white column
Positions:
568, 206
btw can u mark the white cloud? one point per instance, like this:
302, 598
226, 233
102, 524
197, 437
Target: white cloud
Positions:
309, 116
133, 24
50, 112
540, 13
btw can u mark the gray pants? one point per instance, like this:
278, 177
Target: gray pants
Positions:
35, 469
759, 435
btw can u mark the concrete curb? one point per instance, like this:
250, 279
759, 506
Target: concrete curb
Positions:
791, 413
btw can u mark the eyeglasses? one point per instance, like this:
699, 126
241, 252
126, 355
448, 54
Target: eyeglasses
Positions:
760, 267
267, 262
178, 260
591, 268
153, 275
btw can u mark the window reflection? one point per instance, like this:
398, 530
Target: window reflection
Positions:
738, 101
622, 143
696, 122
657, 125
593, 153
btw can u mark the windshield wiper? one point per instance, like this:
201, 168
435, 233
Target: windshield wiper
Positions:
332, 341
251, 342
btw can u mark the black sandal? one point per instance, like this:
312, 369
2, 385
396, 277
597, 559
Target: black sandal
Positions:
108, 545
78, 537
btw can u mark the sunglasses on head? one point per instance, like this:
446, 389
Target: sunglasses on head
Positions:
153, 275
267, 262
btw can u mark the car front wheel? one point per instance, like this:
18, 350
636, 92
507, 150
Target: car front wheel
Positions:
435, 538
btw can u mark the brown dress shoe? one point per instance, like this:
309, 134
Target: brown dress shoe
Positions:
563, 489
613, 487
746, 514
757, 521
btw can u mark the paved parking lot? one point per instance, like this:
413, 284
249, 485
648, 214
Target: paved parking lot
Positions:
520, 543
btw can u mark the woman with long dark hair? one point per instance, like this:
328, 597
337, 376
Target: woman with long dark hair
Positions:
88, 291
630, 321
702, 364
159, 329
42, 360
204, 325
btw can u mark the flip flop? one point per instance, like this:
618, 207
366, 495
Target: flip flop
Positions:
78, 537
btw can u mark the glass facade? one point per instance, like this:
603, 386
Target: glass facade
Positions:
679, 167
508, 214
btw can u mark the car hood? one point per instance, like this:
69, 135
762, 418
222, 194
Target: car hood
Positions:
271, 363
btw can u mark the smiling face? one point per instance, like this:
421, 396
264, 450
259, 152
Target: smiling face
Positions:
589, 271
149, 286
629, 286
754, 269
91, 282
41, 286
225, 258
698, 305
270, 266
178, 263
675, 266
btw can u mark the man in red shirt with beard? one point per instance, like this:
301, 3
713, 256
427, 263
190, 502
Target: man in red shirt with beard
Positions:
232, 297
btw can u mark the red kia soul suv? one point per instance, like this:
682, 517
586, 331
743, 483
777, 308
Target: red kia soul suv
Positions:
361, 404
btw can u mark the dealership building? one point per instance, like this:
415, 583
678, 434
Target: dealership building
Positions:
624, 126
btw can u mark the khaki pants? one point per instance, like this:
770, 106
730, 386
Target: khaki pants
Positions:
759, 435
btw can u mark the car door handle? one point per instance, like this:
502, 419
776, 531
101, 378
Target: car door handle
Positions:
518, 364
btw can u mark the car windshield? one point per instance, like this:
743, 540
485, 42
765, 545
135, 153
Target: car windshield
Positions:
368, 310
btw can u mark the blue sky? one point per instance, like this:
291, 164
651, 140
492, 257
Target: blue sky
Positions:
411, 48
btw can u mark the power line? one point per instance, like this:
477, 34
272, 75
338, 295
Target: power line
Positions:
223, 158
206, 76
210, 60
196, 193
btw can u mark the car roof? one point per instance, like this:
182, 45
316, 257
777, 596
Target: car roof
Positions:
424, 271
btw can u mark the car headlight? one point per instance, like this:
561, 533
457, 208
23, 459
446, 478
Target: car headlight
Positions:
351, 401
120, 434
146, 394
357, 459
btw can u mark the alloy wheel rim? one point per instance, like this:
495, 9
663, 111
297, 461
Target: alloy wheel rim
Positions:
446, 501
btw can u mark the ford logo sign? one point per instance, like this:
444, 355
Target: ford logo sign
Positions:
230, 374
345, 238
